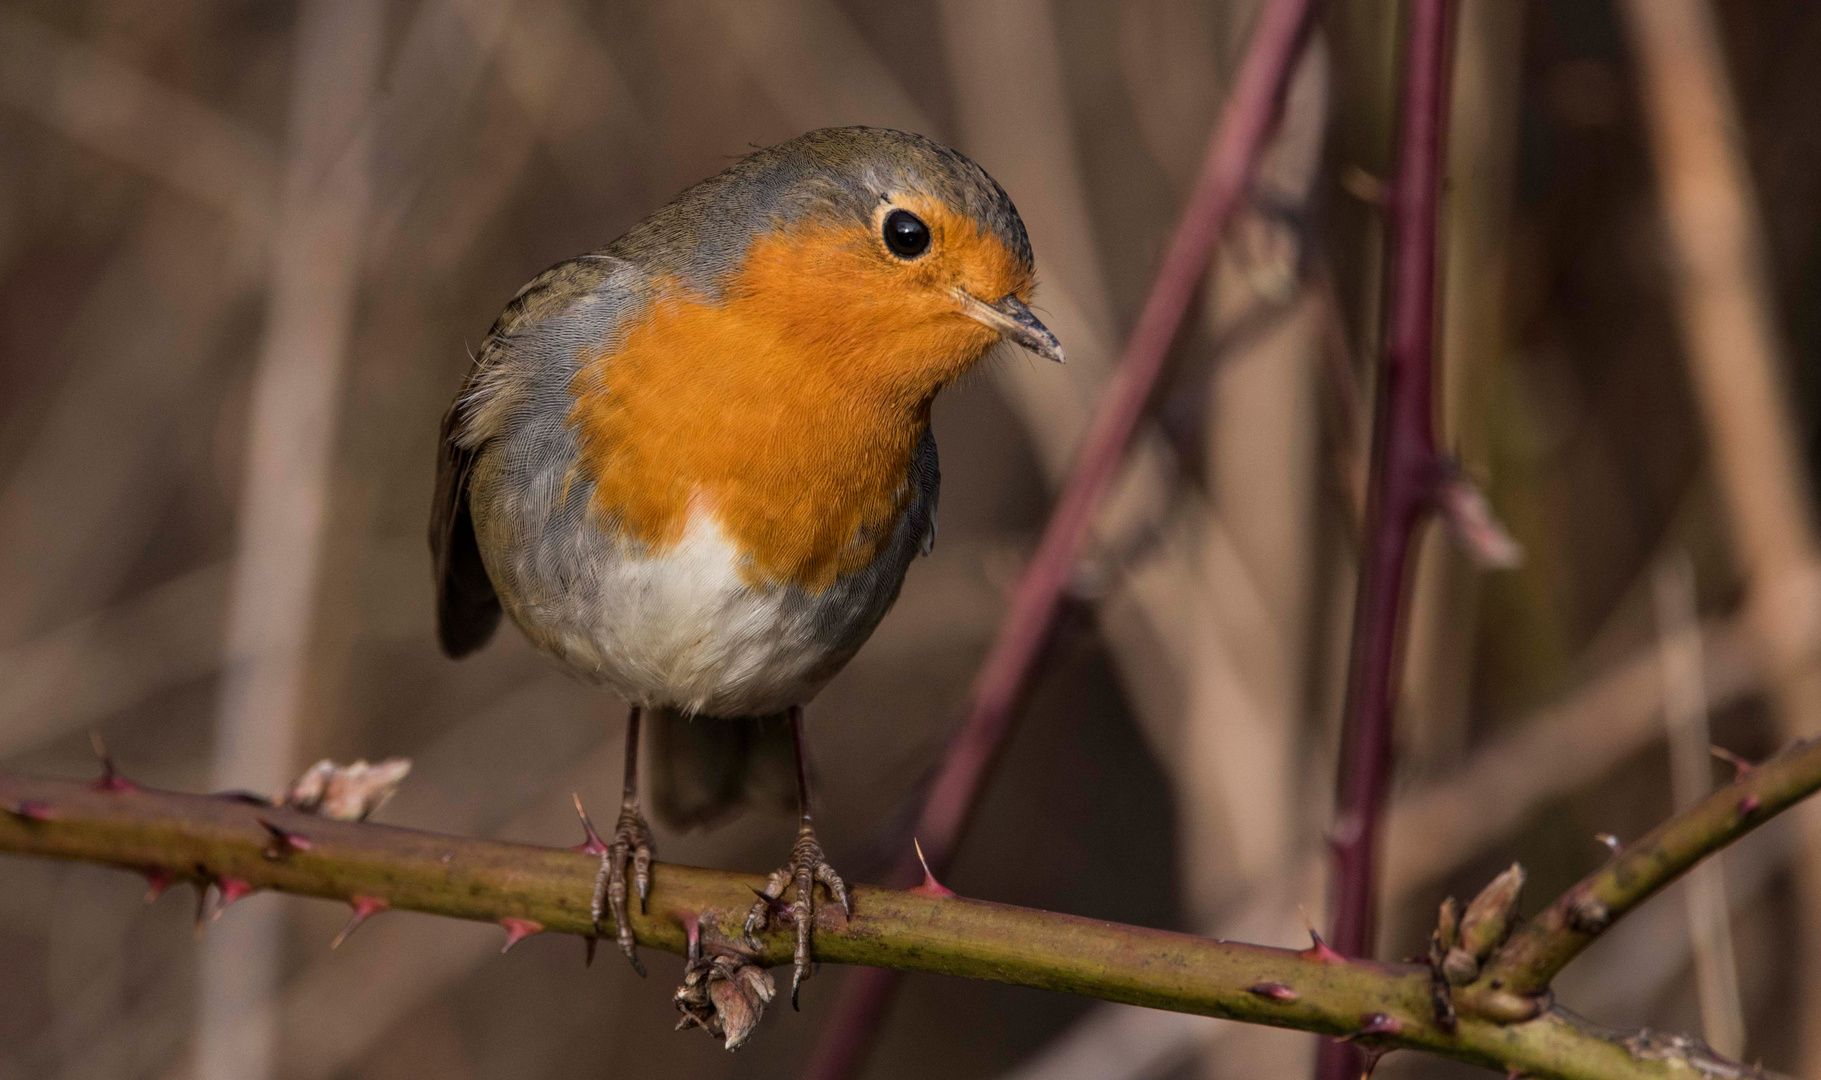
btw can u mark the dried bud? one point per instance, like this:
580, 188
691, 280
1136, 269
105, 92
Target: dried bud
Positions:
1448, 925
1492, 914
724, 995
1459, 967
346, 792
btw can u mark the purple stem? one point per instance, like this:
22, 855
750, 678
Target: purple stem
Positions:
1405, 469
1246, 123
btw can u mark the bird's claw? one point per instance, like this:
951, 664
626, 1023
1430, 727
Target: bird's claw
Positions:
631, 847
807, 868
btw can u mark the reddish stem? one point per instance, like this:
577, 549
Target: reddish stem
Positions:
1245, 124
1405, 469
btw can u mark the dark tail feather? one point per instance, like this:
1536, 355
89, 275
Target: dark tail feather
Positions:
703, 768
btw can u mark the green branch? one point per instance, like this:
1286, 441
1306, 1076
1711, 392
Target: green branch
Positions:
1515, 977
237, 844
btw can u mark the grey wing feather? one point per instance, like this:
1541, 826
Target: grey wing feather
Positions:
467, 605
926, 473
467, 609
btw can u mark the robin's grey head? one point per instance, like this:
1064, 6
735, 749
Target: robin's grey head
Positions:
913, 229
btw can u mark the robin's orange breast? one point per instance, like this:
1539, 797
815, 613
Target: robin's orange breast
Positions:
789, 407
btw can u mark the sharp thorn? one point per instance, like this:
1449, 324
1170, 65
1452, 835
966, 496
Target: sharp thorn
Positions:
157, 880
930, 886
365, 907
1319, 951
1740, 767
284, 841
518, 930
231, 889
1611, 841
1749, 805
110, 778
1276, 991
202, 905
591, 843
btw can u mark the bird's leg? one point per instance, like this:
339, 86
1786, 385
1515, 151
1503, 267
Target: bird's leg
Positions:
807, 867
631, 847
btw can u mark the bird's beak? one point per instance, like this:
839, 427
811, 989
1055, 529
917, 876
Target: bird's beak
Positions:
1014, 322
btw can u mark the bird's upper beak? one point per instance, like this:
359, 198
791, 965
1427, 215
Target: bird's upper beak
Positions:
1014, 322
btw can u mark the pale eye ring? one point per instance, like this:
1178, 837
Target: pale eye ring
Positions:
906, 234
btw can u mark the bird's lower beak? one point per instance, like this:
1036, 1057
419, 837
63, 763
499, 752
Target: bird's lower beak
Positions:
1014, 322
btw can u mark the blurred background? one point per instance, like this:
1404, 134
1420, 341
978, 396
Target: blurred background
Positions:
246, 249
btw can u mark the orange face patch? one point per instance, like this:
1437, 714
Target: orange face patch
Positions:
788, 410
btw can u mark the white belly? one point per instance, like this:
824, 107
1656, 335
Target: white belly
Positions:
684, 630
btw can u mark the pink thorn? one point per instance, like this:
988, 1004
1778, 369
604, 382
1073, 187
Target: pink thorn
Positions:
110, 779
930, 886
32, 810
692, 933
365, 907
284, 841
157, 880
1276, 991
230, 890
518, 930
1319, 952
1740, 767
1749, 805
592, 843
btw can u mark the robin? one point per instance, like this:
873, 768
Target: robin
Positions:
693, 466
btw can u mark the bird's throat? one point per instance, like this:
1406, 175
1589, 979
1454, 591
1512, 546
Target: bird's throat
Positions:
799, 447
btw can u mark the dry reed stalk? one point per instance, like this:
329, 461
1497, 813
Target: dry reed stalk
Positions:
1724, 301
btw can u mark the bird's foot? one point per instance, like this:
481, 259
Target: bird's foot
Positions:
631, 848
807, 868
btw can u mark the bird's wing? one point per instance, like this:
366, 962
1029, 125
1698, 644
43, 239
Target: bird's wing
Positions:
926, 473
467, 607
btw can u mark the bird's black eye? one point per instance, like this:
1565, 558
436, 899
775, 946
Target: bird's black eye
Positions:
906, 234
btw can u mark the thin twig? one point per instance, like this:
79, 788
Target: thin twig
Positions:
1405, 470
1546, 944
215, 839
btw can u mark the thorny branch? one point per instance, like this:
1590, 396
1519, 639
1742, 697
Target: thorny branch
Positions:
1533, 956
239, 844
1407, 481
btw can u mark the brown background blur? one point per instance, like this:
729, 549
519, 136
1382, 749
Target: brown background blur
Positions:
174, 244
